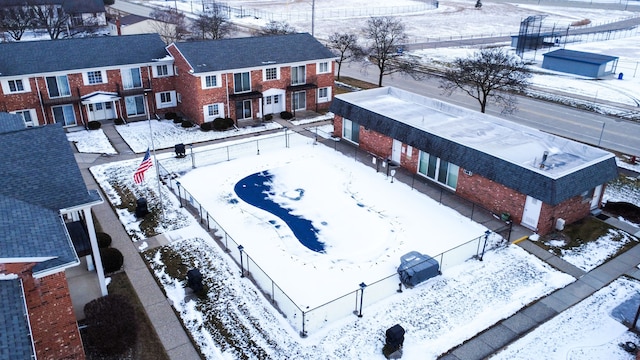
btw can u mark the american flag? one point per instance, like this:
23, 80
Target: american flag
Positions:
146, 163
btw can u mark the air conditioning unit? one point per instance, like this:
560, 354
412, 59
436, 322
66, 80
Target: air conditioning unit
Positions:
560, 224
467, 172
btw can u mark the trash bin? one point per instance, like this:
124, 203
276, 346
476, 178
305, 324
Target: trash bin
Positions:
194, 280
141, 207
180, 150
620, 76
394, 337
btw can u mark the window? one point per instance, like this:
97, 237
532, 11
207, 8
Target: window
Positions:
213, 111
438, 170
28, 116
243, 109
135, 105
58, 86
94, 77
131, 78
64, 114
242, 82
166, 99
210, 81
298, 75
162, 70
271, 74
323, 67
324, 94
300, 100
16, 86
351, 130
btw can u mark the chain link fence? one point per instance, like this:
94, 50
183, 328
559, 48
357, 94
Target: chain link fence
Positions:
305, 319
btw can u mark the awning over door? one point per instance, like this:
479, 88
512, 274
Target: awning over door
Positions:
99, 97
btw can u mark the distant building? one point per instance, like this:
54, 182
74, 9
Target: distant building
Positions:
540, 180
80, 12
135, 77
580, 63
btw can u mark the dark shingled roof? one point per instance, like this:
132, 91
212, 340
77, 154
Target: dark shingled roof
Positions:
10, 122
580, 56
15, 337
26, 57
522, 179
251, 52
70, 6
40, 177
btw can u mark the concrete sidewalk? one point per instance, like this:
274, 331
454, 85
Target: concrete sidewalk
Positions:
175, 340
528, 318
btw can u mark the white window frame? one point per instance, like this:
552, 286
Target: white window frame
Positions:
32, 114
304, 78
213, 76
243, 89
319, 66
264, 73
144, 106
85, 77
59, 89
437, 171
208, 116
327, 98
161, 99
6, 87
66, 121
126, 76
157, 73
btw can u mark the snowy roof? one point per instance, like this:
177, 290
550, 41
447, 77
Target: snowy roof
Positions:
498, 149
580, 56
250, 52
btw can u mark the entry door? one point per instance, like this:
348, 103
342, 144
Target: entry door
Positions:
300, 100
531, 213
101, 111
595, 200
273, 104
396, 150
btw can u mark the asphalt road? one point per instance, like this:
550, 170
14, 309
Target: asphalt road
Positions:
588, 127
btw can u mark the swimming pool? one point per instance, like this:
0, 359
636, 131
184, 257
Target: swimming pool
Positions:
255, 190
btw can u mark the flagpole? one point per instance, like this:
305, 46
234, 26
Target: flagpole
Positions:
153, 147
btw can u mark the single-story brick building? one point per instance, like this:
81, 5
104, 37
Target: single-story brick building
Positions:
540, 180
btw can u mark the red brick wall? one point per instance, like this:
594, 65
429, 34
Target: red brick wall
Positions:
53, 323
489, 194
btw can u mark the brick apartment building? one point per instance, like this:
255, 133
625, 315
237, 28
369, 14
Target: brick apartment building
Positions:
248, 78
135, 77
46, 226
542, 181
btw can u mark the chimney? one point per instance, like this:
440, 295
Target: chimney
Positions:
118, 26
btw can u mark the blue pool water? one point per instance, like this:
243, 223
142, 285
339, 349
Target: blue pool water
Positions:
254, 190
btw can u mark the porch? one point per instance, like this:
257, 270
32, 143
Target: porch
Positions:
83, 286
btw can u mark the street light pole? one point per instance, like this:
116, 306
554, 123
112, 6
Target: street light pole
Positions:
240, 248
362, 286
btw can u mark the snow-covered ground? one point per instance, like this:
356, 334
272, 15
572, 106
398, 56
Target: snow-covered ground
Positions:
236, 321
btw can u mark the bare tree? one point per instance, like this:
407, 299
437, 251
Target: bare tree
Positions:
170, 24
276, 28
212, 25
15, 21
386, 34
50, 17
490, 74
345, 46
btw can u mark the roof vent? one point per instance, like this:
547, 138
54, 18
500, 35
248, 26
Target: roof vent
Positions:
544, 158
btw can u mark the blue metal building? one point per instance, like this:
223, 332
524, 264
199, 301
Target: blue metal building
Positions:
580, 63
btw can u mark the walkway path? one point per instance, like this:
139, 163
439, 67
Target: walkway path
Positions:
178, 345
528, 318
